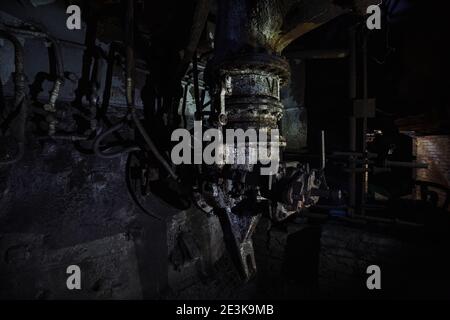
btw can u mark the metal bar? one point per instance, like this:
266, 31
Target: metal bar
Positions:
365, 175
323, 149
319, 54
352, 121
363, 219
406, 164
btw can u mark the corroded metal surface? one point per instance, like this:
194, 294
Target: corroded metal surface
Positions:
245, 78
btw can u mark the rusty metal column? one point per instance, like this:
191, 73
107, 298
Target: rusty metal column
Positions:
365, 174
352, 121
245, 76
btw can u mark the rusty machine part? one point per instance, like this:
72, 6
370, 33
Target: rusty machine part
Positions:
245, 86
245, 77
243, 80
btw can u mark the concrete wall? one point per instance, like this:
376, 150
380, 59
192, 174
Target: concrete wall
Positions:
59, 207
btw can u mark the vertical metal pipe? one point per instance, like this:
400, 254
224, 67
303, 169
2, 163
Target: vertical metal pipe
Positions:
365, 175
323, 149
352, 121
196, 88
130, 65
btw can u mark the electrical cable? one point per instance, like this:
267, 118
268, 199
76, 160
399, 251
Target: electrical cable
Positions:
97, 144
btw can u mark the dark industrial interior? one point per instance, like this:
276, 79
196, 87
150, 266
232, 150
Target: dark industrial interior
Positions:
87, 117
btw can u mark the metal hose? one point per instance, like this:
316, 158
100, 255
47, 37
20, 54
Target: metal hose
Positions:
96, 147
59, 81
130, 90
151, 145
20, 95
59, 68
